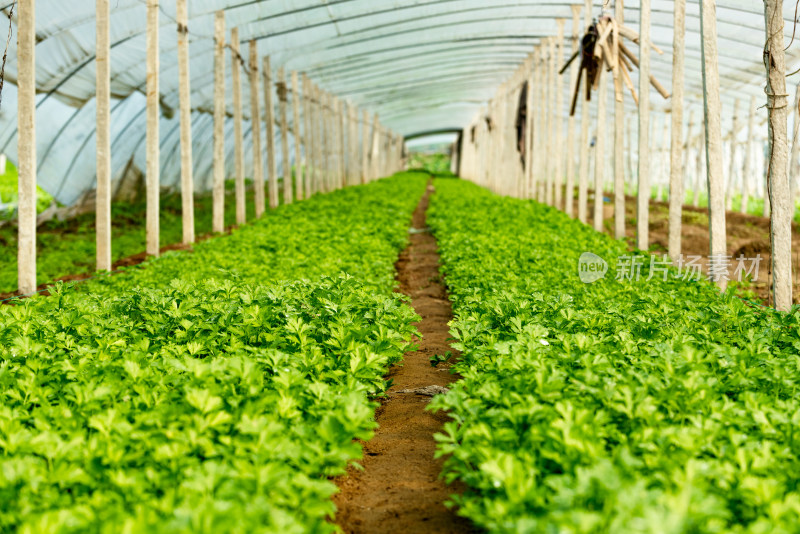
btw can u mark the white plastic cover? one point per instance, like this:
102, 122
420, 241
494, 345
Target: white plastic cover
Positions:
421, 64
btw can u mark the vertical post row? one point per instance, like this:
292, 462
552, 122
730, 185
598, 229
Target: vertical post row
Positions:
238, 135
153, 146
185, 101
342, 132
643, 198
583, 171
308, 138
298, 141
269, 117
676, 156
365, 138
778, 180
26, 123
529, 154
255, 121
103, 198
218, 206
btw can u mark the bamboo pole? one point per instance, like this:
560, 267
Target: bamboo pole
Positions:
643, 198
103, 80
255, 120
283, 90
600, 149
732, 163
676, 157
713, 113
238, 135
269, 110
185, 97
748, 156
26, 146
298, 141
777, 178
218, 203
153, 140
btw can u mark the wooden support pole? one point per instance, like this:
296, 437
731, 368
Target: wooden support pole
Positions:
269, 118
218, 202
365, 144
298, 140
375, 151
569, 207
782, 206
153, 139
103, 80
318, 127
185, 98
238, 135
308, 138
537, 133
529, 122
748, 156
643, 200
341, 127
551, 122
583, 170
731, 189
600, 149
283, 96
327, 125
794, 163
619, 132
559, 152
676, 193
26, 146
713, 114
255, 120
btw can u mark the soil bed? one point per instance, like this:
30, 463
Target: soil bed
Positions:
399, 490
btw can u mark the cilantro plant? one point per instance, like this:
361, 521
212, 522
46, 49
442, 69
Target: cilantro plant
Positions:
639, 406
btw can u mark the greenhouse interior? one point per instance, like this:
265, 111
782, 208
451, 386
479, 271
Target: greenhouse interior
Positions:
419, 266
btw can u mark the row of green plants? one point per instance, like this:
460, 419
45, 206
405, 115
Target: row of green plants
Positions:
656, 406
214, 391
69, 248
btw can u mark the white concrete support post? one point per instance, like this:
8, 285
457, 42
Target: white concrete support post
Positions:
600, 149
318, 126
551, 122
676, 193
794, 163
569, 196
269, 118
103, 80
218, 202
255, 121
619, 131
583, 169
298, 139
283, 90
713, 114
26, 146
185, 102
341, 127
529, 157
238, 135
537, 132
153, 180
782, 206
375, 151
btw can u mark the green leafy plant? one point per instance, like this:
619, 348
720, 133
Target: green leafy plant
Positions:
637, 406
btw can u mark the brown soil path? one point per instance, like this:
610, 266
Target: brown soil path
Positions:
399, 490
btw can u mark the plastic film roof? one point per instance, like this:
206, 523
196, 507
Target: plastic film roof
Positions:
423, 65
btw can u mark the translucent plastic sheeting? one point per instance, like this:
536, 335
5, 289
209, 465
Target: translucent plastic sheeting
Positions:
421, 64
